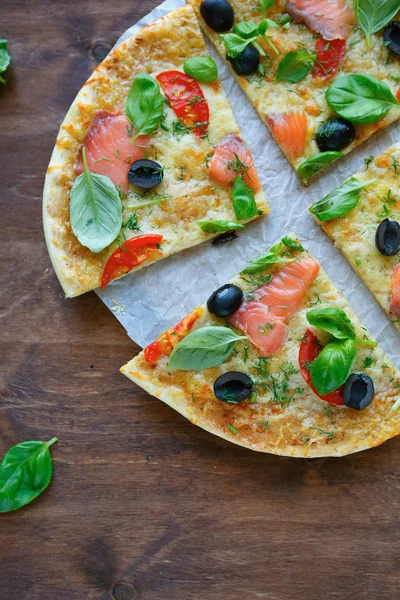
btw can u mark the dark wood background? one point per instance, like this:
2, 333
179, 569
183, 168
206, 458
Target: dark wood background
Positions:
143, 504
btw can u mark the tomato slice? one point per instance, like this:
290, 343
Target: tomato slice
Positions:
131, 254
330, 55
186, 99
398, 95
309, 350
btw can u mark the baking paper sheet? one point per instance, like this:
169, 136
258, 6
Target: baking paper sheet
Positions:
150, 301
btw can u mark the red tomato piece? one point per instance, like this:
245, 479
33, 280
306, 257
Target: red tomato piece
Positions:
187, 100
309, 350
330, 55
131, 254
398, 95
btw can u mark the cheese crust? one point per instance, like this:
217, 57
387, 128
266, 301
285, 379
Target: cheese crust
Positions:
286, 418
189, 194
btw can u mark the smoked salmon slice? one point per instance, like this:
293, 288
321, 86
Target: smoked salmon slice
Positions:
109, 150
263, 317
232, 158
395, 298
333, 19
290, 131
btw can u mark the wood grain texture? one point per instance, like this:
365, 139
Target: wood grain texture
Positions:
144, 505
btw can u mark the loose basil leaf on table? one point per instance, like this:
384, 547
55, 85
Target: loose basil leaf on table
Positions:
95, 209
145, 105
4, 58
312, 165
25, 471
204, 348
332, 320
374, 15
360, 98
292, 244
201, 68
218, 226
333, 365
295, 65
273, 257
243, 200
341, 200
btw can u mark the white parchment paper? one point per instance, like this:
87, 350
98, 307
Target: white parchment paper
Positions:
150, 301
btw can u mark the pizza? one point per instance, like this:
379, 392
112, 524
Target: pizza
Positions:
276, 361
148, 161
362, 216
322, 74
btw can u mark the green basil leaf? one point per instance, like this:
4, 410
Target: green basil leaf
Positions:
145, 105
246, 29
333, 365
4, 58
266, 24
312, 165
265, 5
95, 209
201, 68
276, 255
243, 200
234, 44
292, 244
204, 348
341, 200
332, 320
374, 15
25, 471
295, 65
218, 226
360, 98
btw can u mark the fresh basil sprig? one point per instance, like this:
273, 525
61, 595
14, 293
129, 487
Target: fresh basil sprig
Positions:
145, 105
360, 98
341, 200
332, 320
374, 15
201, 68
265, 5
292, 244
95, 209
243, 200
295, 65
312, 165
4, 58
333, 365
276, 255
246, 33
204, 348
25, 471
218, 226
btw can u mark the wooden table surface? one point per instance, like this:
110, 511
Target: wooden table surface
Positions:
143, 504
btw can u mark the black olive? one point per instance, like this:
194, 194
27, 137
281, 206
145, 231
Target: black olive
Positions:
233, 387
387, 237
145, 174
358, 391
225, 300
247, 62
224, 238
391, 36
335, 134
218, 14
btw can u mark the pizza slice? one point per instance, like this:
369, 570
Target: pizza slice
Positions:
276, 361
323, 75
148, 161
362, 216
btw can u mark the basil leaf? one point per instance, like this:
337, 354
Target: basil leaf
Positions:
95, 209
333, 365
312, 165
145, 105
360, 98
266, 24
246, 29
265, 5
4, 58
244, 204
341, 200
373, 15
25, 471
332, 320
295, 65
204, 348
292, 244
201, 68
234, 44
273, 257
217, 226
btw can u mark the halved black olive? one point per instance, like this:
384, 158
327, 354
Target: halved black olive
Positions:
387, 237
233, 387
335, 134
358, 391
218, 14
145, 174
225, 300
391, 36
224, 238
247, 62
